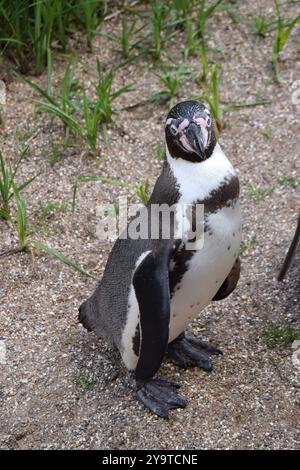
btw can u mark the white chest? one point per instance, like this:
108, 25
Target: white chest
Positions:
209, 266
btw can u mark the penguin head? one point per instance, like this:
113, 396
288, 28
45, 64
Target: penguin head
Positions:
190, 132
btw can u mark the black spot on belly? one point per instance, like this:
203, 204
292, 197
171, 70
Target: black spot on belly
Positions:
181, 259
229, 246
136, 340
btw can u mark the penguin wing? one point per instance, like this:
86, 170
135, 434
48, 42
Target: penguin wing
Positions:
291, 253
151, 285
230, 282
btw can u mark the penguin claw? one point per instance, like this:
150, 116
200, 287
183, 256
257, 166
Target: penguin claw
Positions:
188, 351
160, 396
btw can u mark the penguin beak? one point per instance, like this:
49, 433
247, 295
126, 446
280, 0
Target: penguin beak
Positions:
196, 139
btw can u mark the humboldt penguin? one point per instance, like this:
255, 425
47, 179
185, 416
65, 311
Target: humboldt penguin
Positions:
153, 286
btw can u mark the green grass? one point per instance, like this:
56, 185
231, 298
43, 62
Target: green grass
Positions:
91, 119
171, 79
8, 185
248, 245
106, 94
159, 153
141, 191
183, 12
42, 248
260, 26
28, 29
281, 37
205, 11
157, 9
213, 99
80, 115
63, 106
280, 335
258, 194
85, 381
21, 220
288, 181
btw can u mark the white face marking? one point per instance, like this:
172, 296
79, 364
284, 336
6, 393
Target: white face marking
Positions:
204, 124
197, 180
177, 130
129, 357
186, 144
183, 125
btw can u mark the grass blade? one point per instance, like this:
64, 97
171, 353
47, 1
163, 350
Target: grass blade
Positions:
64, 259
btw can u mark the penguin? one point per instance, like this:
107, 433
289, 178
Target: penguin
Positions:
291, 253
153, 287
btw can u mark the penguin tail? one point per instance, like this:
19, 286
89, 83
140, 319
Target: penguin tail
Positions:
84, 315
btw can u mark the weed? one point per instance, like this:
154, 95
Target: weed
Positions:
171, 79
29, 27
280, 336
258, 194
212, 98
56, 154
62, 107
159, 153
105, 93
82, 117
141, 191
204, 13
288, 181
84, 380
126, 33
92, 117
282, 34
157, 14
247, 246
40, 247
7, 185
21, 221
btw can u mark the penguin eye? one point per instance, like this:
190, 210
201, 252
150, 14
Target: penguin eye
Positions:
173, 129
208, 121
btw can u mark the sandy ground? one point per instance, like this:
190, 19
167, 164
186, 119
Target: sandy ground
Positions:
62, 387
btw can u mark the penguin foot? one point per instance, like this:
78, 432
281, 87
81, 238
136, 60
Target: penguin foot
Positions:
160, 396
188, 351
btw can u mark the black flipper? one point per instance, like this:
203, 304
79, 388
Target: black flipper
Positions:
230, 282
151, 285
291, 253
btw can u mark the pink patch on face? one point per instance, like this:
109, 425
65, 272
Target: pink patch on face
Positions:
183, 125
204, 124
185, 144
